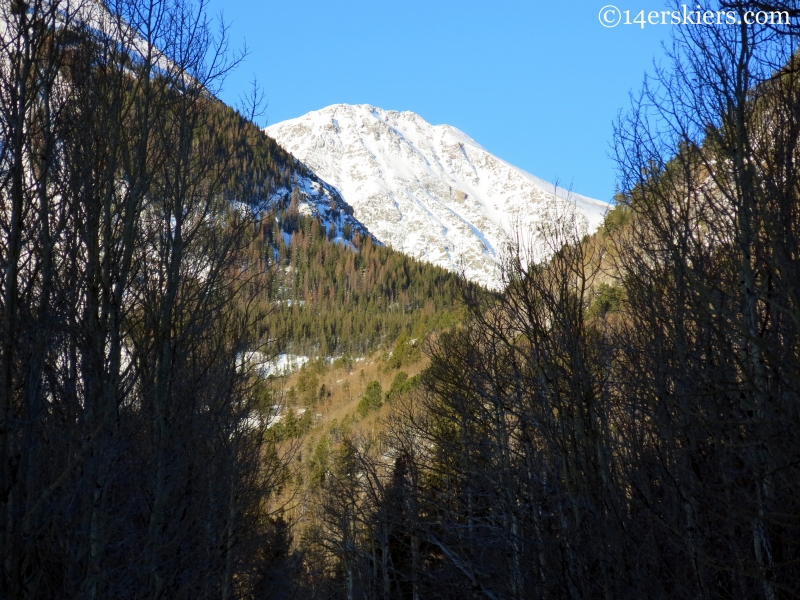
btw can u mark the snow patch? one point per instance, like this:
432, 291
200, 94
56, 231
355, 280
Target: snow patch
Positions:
283, 364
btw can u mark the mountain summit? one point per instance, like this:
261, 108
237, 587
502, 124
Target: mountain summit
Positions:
429, 191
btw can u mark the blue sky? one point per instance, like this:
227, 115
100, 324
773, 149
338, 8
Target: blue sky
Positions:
536, 83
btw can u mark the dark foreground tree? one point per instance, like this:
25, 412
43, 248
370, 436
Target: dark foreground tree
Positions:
710, 346
127, 470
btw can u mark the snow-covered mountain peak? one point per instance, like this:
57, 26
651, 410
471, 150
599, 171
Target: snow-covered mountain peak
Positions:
430, 191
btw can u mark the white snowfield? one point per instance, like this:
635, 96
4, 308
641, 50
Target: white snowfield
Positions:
264, 366
429, 191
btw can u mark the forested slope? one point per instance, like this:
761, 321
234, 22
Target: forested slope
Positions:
351, 297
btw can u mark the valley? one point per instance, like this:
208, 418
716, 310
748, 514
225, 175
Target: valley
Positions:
354, 355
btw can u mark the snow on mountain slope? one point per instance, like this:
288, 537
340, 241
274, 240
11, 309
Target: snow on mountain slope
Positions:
322, 201
427, 190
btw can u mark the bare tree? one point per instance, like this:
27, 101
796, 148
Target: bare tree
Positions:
127, 285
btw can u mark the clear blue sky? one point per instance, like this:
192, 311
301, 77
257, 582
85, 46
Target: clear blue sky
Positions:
536, 83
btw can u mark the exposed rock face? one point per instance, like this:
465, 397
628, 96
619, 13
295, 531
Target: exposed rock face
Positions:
323, 201
427, 190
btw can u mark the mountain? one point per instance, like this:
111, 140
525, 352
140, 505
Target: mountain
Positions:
427, 190
334, 289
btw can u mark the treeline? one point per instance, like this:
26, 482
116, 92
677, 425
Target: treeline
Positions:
624, 421
349, 295
126, 296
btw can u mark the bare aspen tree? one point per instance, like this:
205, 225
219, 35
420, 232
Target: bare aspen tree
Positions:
706, 277
129, 267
